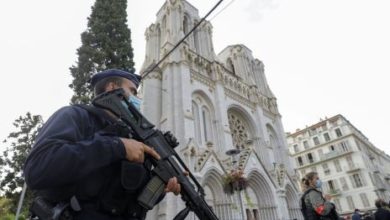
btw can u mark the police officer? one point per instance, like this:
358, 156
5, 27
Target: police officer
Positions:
80, 155
314, 205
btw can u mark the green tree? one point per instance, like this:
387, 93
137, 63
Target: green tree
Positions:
105, 44
19, 144
5, 206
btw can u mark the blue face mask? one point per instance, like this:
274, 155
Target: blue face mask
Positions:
318, 184
135, 101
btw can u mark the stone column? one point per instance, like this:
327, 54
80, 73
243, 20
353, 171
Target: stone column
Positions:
282, 204
151, 96
222, 122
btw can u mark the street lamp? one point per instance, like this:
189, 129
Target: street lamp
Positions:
234, 153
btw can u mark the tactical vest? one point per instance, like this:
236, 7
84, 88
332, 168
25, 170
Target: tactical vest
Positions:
117, 195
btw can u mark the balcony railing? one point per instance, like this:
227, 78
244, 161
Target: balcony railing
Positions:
334, 192
378, 169
353, 168
332, 154
381, 187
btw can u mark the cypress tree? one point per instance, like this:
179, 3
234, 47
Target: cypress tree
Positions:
105, 44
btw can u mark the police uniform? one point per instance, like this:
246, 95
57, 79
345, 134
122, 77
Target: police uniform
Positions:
79, 154
317, 207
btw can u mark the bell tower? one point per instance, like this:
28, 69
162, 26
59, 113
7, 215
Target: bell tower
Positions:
212, 104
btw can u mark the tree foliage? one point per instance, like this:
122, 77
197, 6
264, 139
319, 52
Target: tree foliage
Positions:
19, 144
105, 44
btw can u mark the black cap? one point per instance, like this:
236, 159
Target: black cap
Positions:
115, 72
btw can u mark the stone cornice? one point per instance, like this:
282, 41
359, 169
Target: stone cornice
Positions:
153, 75
233, 95
202, 79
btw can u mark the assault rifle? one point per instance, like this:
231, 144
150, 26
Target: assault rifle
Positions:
170, 165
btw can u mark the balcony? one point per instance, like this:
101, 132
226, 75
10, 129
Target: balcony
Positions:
381, 187
378, 169
334, 192
333, 154
353, 168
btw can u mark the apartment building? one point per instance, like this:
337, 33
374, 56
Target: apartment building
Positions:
354, 172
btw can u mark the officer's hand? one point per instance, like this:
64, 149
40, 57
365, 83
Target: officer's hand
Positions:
173, 186
135, 150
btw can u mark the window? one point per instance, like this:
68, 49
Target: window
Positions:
314, 169
230, 65
196, 39
351, 205
305, 144
338, 132
356, 180
195, 112
207, 135
331, 185
337, 165
202, 121
296, 150
310, 158
300, 161
240, 133
185, 25
344, 146
326, 168
344, 184
316, 141
326, 137
363, 197
331, 148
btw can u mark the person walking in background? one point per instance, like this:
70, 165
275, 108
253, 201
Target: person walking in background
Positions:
356, 215
381, 213
314, 205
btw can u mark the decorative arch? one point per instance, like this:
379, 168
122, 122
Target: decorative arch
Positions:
186, 25
204, 115
267, 208
164, 24
196, 38
215, 196
230, 65
241, 126
294, 210
274, 151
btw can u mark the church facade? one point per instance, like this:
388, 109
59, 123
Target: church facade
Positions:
216, 104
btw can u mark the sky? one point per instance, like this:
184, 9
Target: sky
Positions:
321, 58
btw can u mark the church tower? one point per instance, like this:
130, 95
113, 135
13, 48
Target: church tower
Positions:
213, 104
